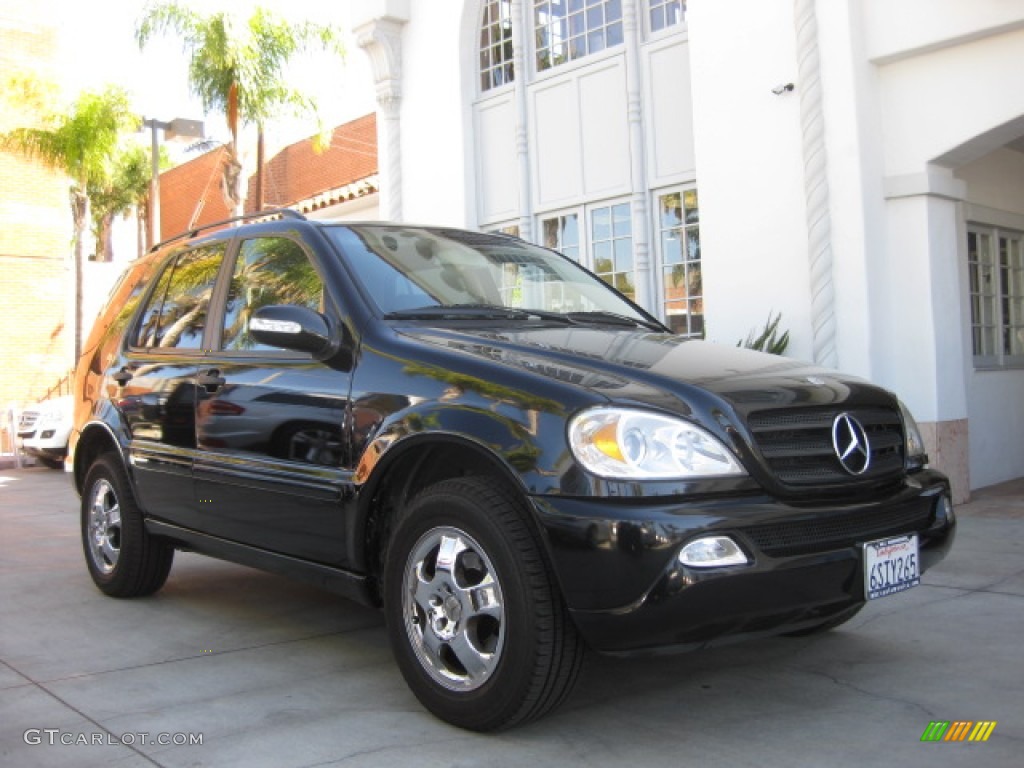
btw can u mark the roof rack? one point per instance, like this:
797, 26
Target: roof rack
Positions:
279, 213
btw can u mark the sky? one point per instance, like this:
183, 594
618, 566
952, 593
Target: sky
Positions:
99, 38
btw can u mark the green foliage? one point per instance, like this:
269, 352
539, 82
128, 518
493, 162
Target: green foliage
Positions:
126, 185
82, 142
768, 340
249, 55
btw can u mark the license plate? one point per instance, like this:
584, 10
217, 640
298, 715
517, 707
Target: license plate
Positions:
890, 566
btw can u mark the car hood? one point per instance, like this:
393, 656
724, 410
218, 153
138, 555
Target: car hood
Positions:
658, 369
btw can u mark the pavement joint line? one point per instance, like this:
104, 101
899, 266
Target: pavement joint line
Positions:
162, 662
40, 686
864, 692
983, 589
379, 750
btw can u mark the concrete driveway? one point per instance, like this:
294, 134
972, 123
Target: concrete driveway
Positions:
266, 672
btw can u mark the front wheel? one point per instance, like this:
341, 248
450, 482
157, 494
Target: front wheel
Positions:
478, 629
123, 559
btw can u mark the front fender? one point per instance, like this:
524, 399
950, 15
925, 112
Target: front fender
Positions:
529, 447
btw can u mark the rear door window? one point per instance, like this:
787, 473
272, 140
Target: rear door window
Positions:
175, 317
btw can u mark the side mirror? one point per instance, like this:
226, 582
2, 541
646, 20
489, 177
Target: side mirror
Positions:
293, 327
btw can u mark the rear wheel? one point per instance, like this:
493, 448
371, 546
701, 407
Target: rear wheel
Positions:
123, 559
478, 629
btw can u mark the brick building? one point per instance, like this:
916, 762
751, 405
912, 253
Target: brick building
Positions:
338, 182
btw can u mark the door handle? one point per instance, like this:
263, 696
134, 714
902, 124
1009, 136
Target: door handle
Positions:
211, 380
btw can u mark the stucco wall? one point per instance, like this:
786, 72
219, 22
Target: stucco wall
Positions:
995, 196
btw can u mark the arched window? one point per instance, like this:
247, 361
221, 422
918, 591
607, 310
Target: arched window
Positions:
567, 30
496, 44
665, 13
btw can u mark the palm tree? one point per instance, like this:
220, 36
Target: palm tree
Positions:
126, 185
81, 144
236, 67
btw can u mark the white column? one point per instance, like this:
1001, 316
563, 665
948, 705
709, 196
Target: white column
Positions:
522, 25
381, 38
816, 190
919, 338
645, 294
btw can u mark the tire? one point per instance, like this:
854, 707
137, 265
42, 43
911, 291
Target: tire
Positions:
486, 643
123, 559
51, 463
831, 623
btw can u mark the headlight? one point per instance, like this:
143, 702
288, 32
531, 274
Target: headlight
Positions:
913, 443
630, 444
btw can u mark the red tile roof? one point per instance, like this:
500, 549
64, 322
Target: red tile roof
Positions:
347, 168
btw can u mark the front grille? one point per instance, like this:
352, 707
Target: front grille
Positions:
797, 445
27, 422
820, 533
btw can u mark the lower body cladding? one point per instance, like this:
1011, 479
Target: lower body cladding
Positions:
632, 584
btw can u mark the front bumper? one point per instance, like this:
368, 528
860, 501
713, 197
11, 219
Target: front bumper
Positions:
618, 568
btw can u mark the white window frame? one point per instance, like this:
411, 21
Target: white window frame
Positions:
584, 214
659, 230
995, 296
647, 9
487, 67
586, 7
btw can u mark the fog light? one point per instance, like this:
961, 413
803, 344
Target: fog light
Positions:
944, 509
712, 552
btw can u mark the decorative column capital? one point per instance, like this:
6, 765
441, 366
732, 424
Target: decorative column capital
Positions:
382, 40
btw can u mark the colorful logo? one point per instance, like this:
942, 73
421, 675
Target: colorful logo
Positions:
959, 730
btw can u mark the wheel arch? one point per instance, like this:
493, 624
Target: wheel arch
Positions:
96, 439
408, 467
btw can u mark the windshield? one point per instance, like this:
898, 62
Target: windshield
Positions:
405, 269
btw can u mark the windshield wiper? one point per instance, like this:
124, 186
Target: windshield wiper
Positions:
483, 311
611, 318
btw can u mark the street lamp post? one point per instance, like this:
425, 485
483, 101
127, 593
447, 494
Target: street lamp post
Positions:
179, 129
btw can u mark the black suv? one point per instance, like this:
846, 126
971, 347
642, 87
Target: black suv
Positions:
482, 437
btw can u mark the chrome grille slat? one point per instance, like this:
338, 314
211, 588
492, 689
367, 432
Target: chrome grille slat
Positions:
797, 445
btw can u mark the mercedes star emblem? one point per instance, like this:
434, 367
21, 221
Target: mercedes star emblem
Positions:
850, 442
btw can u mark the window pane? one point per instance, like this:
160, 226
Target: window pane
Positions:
624, 283
624, 254
269, 270
680, 261
690, 203
570, 29
693, 244
577, 24
176, 316
496, 44
671, 210
601, 224
671, 247
603, 262
623, 224
570, 230
550, 233
665, 13
614, 34
994, 281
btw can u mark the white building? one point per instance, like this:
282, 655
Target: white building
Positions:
857, 165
